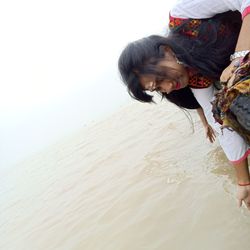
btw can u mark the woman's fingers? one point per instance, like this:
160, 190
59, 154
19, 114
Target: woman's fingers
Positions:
244, 196
247, 203
228, 72
239, 202
210, 134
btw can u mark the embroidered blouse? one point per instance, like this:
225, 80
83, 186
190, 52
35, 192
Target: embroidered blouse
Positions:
196, 10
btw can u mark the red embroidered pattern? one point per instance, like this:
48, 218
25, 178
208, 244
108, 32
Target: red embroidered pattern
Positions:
197, 81
189, 30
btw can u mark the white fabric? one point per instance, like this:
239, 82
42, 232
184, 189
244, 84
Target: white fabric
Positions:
206, 8
233, 145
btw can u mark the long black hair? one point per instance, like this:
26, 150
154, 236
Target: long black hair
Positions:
208, 54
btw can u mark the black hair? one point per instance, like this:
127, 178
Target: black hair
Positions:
208, 54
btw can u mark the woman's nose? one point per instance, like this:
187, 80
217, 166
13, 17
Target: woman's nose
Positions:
152, 86
169, 87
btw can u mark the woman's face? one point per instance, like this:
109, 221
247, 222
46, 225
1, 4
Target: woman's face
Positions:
179, 76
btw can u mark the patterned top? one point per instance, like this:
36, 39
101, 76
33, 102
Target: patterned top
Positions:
191, 29
198, 81
195, 11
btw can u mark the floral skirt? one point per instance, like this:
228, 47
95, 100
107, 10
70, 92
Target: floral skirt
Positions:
231, 106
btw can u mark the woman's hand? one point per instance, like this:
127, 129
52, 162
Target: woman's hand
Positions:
243, 195
229, 70
210, 133
208, 129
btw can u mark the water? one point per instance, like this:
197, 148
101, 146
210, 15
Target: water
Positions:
140, 179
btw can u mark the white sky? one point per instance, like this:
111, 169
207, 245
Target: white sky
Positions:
58, 65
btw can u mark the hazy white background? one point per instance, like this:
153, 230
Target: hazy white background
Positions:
58, 66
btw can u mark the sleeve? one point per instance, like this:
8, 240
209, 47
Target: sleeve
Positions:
245, 8
208, 8
234, 146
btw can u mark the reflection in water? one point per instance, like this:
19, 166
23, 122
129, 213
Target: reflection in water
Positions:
220, 166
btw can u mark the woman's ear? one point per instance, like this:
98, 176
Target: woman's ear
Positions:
167, 49
169, 52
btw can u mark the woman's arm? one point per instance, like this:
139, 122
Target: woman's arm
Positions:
243, 179
243, 45
243, 42
208, 129
241, 168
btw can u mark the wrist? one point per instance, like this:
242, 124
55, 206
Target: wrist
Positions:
239, 54
237, 61
244, 184
205, 124
243, 181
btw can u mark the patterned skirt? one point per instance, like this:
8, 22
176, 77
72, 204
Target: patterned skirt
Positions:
231, 106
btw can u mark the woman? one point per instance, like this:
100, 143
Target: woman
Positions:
183, 66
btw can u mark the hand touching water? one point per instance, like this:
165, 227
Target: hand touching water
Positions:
243, 195
210, 133
208, 129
